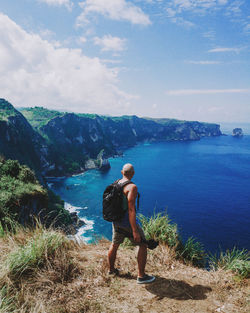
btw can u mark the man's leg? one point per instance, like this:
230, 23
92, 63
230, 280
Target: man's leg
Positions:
112, 255
142, 259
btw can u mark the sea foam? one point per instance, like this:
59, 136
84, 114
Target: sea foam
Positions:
88, 224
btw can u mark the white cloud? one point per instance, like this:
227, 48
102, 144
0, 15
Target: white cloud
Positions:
109, 43
82, 39
226, 49
33, 71
189, 92
181, 21
222, 2
177, 10
113, 9
204, 62
195, 6
234, 8
110, 61
210, 34
67, 3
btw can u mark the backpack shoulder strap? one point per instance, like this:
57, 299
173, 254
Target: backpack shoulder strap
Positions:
126, 183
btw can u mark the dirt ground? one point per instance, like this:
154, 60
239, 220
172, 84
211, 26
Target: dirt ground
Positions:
85, 285
177, 288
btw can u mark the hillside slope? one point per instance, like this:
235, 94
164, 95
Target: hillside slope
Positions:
23, 200
76, 280
76, 140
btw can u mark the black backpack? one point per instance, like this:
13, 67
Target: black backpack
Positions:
112, 202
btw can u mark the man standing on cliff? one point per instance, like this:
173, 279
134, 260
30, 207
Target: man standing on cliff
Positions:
129, 224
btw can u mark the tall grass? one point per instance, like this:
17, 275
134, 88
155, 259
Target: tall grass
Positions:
159, 227
192, 251
34, 253
2, 232
235, 260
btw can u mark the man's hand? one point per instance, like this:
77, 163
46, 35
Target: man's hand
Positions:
136, 236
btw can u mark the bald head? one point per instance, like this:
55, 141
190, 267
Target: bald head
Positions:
128, 170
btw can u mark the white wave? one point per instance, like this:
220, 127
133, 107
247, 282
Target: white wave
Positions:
71, 208
88, 224
80, 174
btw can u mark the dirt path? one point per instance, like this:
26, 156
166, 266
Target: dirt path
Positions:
178, 288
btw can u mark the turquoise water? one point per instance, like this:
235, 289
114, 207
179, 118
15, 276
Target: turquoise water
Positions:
204, 185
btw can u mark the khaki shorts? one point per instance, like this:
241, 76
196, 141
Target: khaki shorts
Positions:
118, 237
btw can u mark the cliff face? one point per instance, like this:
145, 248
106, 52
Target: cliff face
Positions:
18, 140
66, 143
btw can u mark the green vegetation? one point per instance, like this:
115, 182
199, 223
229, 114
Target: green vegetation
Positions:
166, 121
192, 251
235, 260
22, 198
159, 227
34, 254
88, 115
42, 271
31, 254
39, 116
6, 110
18, 187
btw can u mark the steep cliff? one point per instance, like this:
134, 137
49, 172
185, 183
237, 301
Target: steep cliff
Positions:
76, 140
66, 143
18, 140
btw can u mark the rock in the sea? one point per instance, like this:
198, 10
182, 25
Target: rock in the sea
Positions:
237, 132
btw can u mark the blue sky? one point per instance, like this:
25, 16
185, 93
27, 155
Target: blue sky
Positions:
185, 59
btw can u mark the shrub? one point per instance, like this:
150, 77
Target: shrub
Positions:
26, 175
10, 167
34, 260
192, 251
22, 198
34, 254
159, 227
235, 260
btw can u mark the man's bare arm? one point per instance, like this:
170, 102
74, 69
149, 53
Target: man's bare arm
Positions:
131, 196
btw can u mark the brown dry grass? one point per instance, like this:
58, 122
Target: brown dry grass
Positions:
76, 280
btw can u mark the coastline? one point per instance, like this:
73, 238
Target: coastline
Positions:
121, 153
88, 224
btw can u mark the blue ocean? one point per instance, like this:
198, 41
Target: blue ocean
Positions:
204, 186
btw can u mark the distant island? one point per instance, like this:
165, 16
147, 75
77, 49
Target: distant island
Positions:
237, 132
58, 143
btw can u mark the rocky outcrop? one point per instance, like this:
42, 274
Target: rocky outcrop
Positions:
237, 132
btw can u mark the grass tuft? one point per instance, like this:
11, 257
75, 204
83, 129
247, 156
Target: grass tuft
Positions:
159, 227
235, 260
192, 252
34, 253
